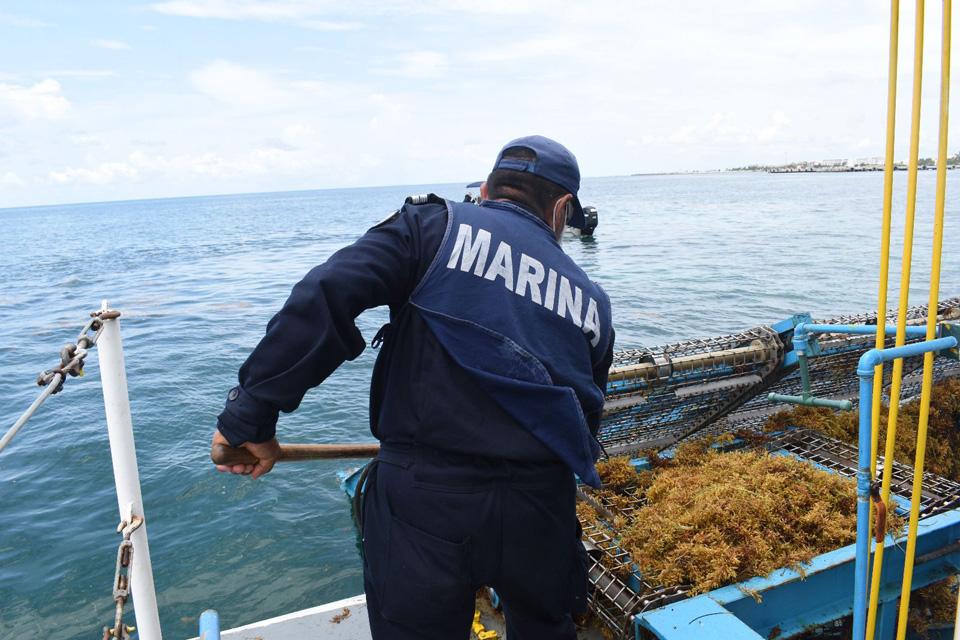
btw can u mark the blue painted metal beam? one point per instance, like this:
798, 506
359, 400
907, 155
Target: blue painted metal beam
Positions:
695, 618
876, 357
209, 625
805, 328
858, 329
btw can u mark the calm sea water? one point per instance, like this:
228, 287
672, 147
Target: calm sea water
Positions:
197, 279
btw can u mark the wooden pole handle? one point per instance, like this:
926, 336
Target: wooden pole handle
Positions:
222, 454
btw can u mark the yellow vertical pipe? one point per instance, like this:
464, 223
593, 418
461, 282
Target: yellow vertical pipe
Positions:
907, 249
931, 325
885, 232
882, 294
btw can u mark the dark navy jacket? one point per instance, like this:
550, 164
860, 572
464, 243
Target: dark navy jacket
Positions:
420, 392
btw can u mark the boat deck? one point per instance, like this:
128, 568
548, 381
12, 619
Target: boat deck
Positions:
347, 620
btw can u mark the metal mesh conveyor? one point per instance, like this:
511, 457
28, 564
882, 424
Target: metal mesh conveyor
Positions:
657, 397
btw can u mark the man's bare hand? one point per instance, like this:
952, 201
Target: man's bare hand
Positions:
267, 452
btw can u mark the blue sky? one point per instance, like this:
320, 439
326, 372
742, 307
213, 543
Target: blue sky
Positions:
117, 100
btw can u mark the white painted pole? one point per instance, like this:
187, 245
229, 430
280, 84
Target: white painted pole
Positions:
116, 401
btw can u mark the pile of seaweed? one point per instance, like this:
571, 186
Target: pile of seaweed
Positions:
943, 430
710, 519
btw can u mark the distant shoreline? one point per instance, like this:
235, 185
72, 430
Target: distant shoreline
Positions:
850, 169
691, 173
858, 169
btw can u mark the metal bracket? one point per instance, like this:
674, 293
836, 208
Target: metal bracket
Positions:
947, 330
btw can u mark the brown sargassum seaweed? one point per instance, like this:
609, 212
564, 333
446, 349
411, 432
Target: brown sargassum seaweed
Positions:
943, 428
709, 519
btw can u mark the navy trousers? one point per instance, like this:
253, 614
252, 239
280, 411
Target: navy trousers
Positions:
438, 526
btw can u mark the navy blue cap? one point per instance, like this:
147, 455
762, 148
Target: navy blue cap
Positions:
554, 163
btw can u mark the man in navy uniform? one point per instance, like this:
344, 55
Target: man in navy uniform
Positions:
486, 398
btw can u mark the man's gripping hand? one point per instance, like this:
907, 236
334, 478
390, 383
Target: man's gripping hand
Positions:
267, 452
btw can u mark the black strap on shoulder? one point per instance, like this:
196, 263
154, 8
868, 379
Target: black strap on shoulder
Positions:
424, 198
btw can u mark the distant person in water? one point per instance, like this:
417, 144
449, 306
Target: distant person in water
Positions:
468, 197
486, 398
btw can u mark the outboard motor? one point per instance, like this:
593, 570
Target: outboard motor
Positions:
590, 221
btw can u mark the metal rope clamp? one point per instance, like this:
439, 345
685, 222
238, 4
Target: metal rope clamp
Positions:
72, 355
121, 580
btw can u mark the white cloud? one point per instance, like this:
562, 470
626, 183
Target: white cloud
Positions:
86, 139
20, 21
237, 9
239, 85
494, 7
42, 100
298, 135
730, 128
104, 173
559, 44
684, 135
81, 73
252, 89
10, 179
297, 12
140, 166
772, 131
315, 89
419, 64
390, 118
111, 44
326, 25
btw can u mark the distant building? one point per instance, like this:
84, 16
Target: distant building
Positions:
838, 165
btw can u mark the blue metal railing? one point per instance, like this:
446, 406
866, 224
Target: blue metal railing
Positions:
802, 336
865, 370
858, 329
